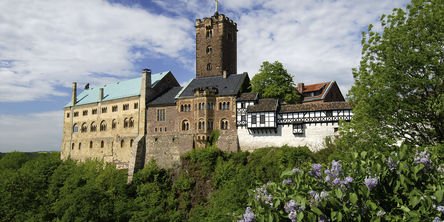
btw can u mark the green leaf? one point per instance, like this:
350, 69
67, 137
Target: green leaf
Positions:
339, 216
353, 198
286, 173
300, 216
438, 194
363, 154
405, 208
414, 201
317, 211
338, 193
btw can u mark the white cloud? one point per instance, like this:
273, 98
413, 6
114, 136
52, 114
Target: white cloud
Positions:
31, 132
49, 43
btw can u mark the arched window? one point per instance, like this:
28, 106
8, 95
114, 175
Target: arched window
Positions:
125, 123
90, 144
181, 108
93, 127
102, 144
210, 124
209, 49
131, 122
224, 124
103, 126
75, 128
122, 143
224, 106
113, 124
228, 105
185, 125
220, 106
131, 142
201, 124
72, 146
84, 128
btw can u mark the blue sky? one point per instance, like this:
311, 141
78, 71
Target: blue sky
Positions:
47, 45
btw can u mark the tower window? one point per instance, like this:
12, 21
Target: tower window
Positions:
209, 50
209, 66
209, 32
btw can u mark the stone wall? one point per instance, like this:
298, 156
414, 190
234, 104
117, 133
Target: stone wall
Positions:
167, 149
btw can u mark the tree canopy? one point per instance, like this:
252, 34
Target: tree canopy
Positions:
399, 85
273, 81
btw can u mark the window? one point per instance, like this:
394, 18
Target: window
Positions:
210, 106
298, 128
161, 115
209, 33
125, 123
94, 111
224, 124
102, 144
131, 122
185, 108
67, 115
165, 129
185, 125
336, 129
84, 128
113, 124
125, 106
160, 129
210, 124
242, 105
155, 129
243, 118
122, 143
103, 126
114, 108
262, 119
90, 144
201, 124
329, 113
76, 114
253, 119
201, 106
136, 105
224, 106
93, 127
80, 145
104, 109
131, 142
209, 49
75, 128
182, 108
85, 112
72, 146
209, 66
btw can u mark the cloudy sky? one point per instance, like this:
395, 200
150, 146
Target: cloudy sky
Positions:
46, 45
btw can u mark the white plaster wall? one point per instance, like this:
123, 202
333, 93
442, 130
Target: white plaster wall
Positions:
313, 137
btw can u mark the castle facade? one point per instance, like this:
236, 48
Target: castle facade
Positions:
153, 117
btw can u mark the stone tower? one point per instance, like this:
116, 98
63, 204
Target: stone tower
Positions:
216, 46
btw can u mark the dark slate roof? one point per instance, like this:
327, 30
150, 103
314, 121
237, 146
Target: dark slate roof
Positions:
229, 86
290, 108
167, 98
264, 105
248, 96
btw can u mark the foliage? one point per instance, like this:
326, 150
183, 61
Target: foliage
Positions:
214, 136
13, 160
273, 81
399, 85
405, 185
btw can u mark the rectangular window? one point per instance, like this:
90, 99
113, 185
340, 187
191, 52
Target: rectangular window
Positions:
104, 109
329, 113
161, 115
94, 111
253, 119
76, 114
67, 115
298, 128
85, 112
125, 106
262, 119
243, 118
114, 108
136, 105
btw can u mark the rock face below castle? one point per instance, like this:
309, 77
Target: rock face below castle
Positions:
128, 123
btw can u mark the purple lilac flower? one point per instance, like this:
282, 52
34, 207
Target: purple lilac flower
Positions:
424, 158
391, 164
296, 170
324, 194
380, 213
316, 170
263, 195
336, 181
315, 197
249, 216
441, 169
287, 182
323, 218
347, 180
336, 167
371, 182
437, 219
290, 205
293, 216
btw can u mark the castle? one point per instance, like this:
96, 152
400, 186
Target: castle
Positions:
153, 117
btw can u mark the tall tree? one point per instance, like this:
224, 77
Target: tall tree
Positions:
399, 87
273, 81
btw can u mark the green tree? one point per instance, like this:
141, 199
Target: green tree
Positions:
273, 81
398, 91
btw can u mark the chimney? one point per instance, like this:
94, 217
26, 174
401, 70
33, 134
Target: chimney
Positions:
301, 87
74, 93
225, 75
101, 94
147, 74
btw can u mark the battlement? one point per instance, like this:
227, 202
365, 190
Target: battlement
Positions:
216, 18
204, 92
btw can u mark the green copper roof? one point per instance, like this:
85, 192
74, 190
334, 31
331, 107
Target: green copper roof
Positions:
118, 90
